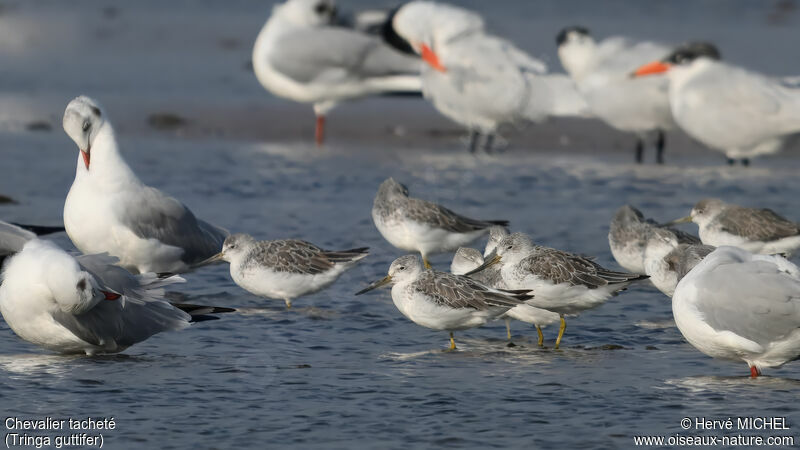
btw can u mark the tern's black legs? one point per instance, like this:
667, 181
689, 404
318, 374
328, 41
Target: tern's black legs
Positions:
661, 140
745, 162
474, 137
639, 150
488, 143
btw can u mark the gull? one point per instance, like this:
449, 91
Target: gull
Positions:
284, 269
86, 304
14, 236
739, 306
756, 230
668, 261
444, 301
601, 72
474, 78
302, 55
629, 233
467, 259
413, 224
109, 210
727, 108
561, 282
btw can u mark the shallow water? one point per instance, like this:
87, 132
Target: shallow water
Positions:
340, 371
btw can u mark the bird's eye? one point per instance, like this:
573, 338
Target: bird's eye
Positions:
321, 8
401, 268
81, 284
509, 247
86, 125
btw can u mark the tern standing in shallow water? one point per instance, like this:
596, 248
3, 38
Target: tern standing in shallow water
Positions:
561, 282
727, 108
109, 210
413, 224
444, 301
86, 304
284, 269
756, 230
467, 259
740, 306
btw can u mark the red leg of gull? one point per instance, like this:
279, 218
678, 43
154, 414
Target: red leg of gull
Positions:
754, 372
319, 133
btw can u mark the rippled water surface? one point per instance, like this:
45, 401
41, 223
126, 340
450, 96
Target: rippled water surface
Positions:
343, 371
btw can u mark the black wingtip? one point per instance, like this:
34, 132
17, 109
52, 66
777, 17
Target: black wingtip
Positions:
39, 229
201, 310
502, 223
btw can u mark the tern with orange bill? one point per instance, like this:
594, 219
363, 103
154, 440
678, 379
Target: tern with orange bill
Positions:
730, 109
600, 70
303, 54
474, 78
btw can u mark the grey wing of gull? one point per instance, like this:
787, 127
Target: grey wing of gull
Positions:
13, 238
153, 215
126, 325
104, 269
455, 291
290, 255
332, 54
440, 217
756, 224
754, 300
563, 267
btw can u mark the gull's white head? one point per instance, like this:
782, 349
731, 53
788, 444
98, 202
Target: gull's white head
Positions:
576, 49
465, 260
74, 290
83, 120
496, 234
706, 210
235, 246
425, 28
311, 13
514, 248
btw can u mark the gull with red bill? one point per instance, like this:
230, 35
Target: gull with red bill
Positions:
730, 109
86, 304
478, 80
303, 54
109, 210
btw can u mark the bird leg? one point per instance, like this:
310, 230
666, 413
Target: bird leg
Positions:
474, 136
541, 335
488, 143
561, 331
660, 142
508, 328
639, 150
452, 342
731, 161
745, 162
288, 303
319, 132
426, 263
754, 372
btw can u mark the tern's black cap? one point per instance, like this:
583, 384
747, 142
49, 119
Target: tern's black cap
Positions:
561, 37
692, 50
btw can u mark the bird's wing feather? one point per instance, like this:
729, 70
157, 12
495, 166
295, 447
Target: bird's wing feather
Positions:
455, 291
757, 224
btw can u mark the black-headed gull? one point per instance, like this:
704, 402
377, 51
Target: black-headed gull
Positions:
303, 55
85, 304
109, 210
743, 307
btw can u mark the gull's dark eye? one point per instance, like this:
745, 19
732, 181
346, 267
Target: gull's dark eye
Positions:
81, 284
86, 125
321, 8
